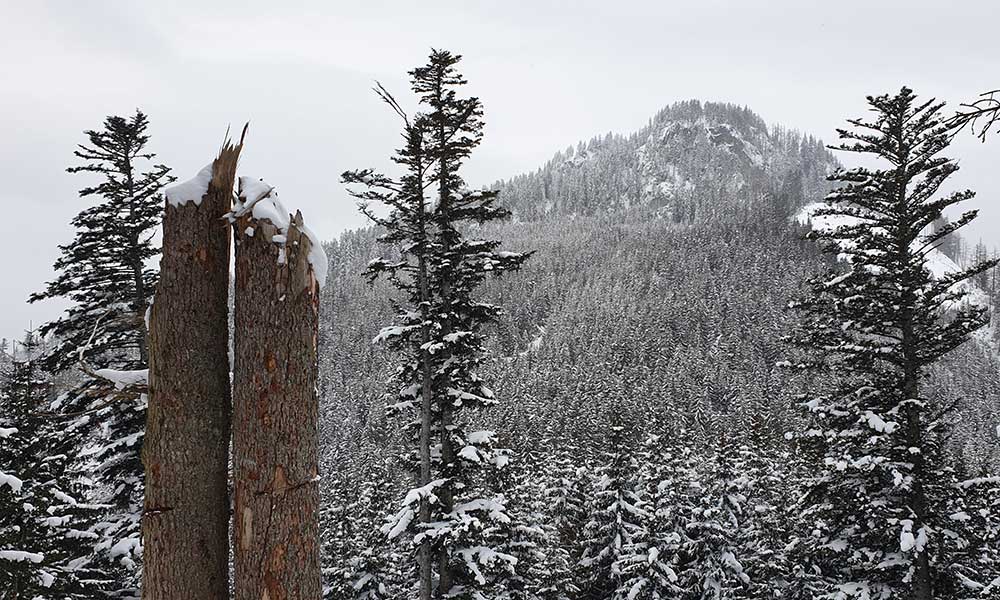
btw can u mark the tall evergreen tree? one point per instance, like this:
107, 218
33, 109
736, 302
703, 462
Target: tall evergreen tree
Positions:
452, 514
716, 528
616, 532
105, 273
566, 487
526, 537
650, 570
46, 528
880, 508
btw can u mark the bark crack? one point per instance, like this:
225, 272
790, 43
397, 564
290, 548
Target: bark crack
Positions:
156, 510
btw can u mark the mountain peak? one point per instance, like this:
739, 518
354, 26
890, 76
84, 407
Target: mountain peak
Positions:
689, 154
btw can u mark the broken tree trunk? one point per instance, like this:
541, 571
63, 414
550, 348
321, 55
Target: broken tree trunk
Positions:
275, 406
185, 524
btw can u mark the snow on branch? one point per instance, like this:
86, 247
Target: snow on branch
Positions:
19, 556
123, 380
128, 384
979, 481
401, 521
10, 481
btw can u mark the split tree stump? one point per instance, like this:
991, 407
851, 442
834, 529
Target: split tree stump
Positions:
275, 404
185, 524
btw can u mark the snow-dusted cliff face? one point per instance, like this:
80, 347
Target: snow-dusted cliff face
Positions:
689, 157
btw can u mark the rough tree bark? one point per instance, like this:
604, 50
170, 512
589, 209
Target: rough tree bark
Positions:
275, 411
185, 525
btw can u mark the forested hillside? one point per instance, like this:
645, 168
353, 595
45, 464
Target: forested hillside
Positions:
635, 363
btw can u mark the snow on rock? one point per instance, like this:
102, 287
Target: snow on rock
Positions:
124, 379
7, 431
9, 480
191, 190
260, 201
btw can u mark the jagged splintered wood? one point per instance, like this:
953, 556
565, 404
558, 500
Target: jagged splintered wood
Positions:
275, 407
185, 524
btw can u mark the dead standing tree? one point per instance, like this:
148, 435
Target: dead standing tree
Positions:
185, 523
279, 269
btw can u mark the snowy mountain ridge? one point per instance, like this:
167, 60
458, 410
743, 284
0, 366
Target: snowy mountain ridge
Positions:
688, 153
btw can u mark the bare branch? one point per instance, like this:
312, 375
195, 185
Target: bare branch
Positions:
983, 113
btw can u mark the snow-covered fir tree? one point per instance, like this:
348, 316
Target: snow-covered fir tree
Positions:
716, 528
528, 534
46, 526
650, 572
882, 517
369, 570
5, 359
616, 532
105, 273
453, 518
565, 488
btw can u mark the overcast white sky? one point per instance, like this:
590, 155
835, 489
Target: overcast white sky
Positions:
550, 73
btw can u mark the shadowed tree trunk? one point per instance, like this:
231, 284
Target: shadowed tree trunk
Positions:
185, 523
275, 405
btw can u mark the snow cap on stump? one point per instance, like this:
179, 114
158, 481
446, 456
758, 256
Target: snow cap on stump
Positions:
259, 202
